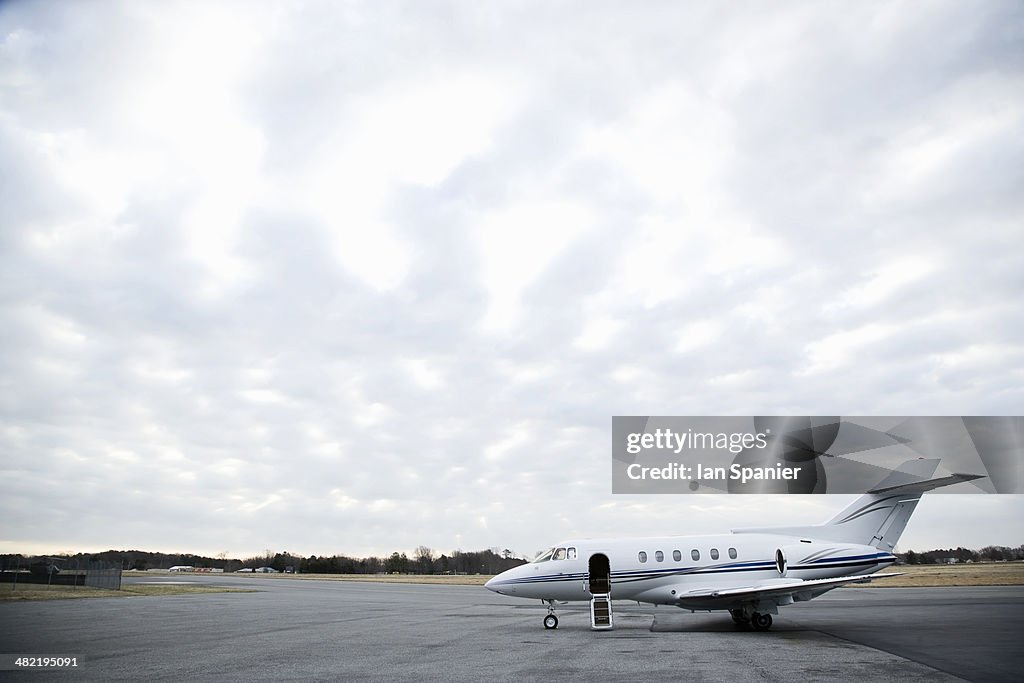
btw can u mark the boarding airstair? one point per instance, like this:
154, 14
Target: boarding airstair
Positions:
601, 612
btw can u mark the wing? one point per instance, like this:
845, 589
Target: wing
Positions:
774, 591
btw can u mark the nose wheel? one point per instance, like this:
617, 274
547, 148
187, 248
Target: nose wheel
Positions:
550, 621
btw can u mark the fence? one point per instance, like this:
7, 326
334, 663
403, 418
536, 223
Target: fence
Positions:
74, 572
103, 575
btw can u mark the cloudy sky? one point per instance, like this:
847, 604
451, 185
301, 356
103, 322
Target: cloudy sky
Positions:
351, 278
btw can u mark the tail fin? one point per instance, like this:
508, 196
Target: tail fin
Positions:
879, 517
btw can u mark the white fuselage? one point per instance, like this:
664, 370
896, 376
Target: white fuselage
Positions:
662, 570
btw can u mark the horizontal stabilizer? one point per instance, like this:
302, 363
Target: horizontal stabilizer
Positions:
927, 485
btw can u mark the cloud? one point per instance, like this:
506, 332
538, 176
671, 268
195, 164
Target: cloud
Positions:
342, 278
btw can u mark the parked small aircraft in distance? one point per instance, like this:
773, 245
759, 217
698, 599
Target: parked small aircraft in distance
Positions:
750, 572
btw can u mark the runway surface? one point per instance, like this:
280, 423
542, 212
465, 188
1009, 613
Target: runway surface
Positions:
294, 630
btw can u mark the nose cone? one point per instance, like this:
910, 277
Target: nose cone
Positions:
501, 584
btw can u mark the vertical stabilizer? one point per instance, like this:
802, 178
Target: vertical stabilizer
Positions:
874, 519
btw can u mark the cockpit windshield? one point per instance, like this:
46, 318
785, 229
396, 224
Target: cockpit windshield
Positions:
557, 554
545, 556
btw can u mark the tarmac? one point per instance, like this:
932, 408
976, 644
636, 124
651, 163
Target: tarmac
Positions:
328, 630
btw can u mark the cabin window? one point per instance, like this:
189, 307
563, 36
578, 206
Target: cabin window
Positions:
714, 553
732, 553
570, 553
560, 554
695, 554
676, 555
659, 556
642, 556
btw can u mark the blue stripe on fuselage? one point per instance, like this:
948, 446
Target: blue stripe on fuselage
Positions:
633, 575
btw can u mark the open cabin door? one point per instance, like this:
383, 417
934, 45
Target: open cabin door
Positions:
600, 585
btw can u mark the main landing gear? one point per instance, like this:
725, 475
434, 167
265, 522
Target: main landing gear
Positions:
757, 620
550, 621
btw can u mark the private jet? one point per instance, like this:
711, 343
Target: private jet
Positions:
749, 572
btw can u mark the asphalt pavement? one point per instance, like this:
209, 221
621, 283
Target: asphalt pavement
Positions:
327, 630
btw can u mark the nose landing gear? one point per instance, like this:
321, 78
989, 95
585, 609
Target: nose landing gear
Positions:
551, 621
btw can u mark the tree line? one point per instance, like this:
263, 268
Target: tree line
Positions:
990, 553
424, 560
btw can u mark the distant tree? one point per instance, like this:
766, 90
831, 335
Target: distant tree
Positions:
963, 555
996, 553
912, 557
397, 563
424, 560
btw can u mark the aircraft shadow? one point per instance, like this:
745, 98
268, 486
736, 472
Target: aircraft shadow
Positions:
715, 623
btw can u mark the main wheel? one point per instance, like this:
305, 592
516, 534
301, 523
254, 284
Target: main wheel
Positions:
738, 618
761, 622
551, 621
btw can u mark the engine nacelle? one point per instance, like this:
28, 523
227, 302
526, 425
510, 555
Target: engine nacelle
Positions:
812, 560
782, 556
